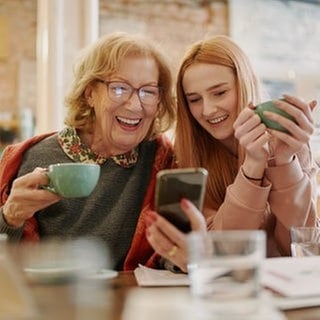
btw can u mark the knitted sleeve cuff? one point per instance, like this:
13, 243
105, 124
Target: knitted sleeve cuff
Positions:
14, 234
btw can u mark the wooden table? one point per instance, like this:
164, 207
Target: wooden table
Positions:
56, 301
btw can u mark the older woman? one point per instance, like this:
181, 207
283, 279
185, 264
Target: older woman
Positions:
119, 105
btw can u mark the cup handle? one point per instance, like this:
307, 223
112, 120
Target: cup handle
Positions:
48, 187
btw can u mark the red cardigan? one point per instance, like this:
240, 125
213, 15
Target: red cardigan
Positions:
140, 250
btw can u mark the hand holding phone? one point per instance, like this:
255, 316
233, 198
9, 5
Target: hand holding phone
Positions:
173, 185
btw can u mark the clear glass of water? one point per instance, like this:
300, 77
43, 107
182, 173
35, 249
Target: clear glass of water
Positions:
224, 268
305, 241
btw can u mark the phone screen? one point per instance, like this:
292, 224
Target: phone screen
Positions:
175, 184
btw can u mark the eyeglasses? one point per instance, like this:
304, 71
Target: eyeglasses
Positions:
121, 92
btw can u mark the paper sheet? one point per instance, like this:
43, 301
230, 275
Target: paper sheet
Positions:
297, 280
293, 277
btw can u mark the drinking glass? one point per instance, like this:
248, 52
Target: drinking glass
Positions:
305, 241
224, 268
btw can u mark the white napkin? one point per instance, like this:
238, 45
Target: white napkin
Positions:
154, 277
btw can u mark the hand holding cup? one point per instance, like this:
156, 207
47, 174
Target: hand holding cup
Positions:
72, 180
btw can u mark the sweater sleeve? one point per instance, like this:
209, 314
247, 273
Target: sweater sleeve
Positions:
293, 196
244, 206
14, 234
286, 198
11, 160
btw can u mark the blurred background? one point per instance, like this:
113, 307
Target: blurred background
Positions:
39, 40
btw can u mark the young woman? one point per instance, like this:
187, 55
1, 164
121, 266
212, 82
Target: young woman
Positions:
258, 178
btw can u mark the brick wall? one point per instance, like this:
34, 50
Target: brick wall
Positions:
173, 23
19, 20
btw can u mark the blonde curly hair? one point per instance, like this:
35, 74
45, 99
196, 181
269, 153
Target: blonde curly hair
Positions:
102, 59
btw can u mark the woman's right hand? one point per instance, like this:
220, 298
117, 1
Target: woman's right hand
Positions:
167, 240
253, 137
251, 133
26, 198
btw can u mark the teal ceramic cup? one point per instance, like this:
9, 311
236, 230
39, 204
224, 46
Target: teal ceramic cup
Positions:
72, 180
270, 106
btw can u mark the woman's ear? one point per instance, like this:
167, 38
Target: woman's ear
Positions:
88, 95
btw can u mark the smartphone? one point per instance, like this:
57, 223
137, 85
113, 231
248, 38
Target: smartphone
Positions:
174, 184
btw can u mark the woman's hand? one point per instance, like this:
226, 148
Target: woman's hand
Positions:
26, 198
167, 240
284, 146
253, 137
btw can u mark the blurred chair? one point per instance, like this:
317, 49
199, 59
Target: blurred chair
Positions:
7, 136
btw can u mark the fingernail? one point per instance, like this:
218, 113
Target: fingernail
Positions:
313, 104
185, 203
152, 215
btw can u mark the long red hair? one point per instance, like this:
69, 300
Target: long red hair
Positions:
194, 146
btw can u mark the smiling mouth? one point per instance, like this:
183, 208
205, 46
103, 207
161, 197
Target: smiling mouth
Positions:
218, 119
128, 122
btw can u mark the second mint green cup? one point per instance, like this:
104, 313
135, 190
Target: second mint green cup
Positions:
72, 180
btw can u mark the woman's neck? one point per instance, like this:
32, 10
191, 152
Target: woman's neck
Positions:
231, 144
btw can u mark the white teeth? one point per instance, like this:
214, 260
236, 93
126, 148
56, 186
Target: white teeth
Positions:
217, 120
129, 121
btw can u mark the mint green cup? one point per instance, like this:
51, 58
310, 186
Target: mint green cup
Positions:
72, 180
271, 107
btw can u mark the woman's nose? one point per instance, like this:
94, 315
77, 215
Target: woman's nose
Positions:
209, 107
134, 102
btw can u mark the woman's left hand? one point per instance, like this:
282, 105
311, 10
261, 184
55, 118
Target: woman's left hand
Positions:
284, 146
167, 240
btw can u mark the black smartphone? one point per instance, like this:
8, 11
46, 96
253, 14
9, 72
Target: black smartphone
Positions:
173, 185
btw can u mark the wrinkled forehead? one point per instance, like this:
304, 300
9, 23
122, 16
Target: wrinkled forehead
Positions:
138, 63
120, 62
